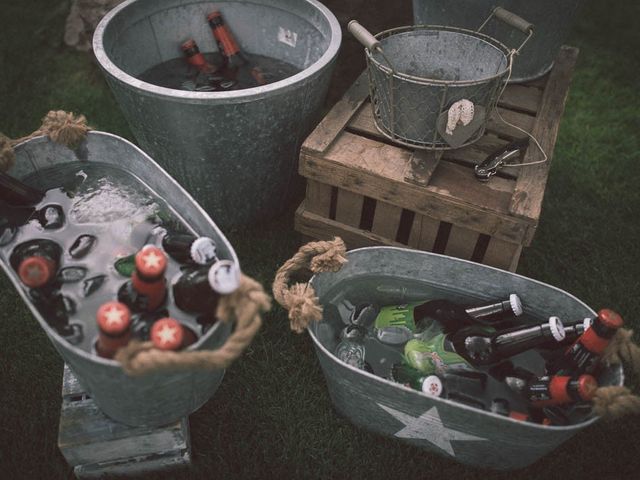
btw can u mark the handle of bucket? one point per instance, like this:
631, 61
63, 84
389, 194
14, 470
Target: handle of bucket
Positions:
62, 127
243, 306
616, 401
513, 21
366, 38
300, 299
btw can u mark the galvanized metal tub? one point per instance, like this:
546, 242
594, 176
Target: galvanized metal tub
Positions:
553, 20
453, 430
234, 151
157, 398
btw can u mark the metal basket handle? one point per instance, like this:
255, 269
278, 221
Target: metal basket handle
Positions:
366, 38
513, 21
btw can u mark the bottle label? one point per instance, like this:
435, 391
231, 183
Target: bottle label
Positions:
432, 356
396, 316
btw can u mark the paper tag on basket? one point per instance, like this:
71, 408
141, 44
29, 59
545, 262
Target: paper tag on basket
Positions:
461, 132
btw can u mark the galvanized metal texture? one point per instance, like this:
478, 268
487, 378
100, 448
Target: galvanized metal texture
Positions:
235, 152
552, 21
418, 72
157, 398
453, 430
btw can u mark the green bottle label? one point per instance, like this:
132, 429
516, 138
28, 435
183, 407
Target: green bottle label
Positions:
431, 357
396, 316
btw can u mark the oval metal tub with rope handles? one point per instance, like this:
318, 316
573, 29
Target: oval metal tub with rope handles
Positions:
142, 385
388, 275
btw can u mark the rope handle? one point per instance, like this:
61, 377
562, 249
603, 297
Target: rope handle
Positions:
62, 127
244, 305
617, 401
300, 299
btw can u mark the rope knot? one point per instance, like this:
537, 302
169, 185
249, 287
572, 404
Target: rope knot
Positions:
64, 127
303, 306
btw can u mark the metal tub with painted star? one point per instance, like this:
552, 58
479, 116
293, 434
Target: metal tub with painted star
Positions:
468, 435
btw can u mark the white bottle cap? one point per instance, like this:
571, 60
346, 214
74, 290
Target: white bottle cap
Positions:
587, 322
224, 277
203, 250
516, 304
557, 329
432, 385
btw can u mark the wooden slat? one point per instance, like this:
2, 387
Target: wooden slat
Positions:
322, 228
333, 123
523, 98
386, 220
504, 255
349, 208
422, 165
318, 198
461, 243
521, 120
428, 232
530, 186
369, 168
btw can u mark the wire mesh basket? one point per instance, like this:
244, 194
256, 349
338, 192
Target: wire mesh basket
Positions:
433, 87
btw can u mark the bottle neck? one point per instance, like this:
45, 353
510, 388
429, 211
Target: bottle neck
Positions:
493, 310
518, 340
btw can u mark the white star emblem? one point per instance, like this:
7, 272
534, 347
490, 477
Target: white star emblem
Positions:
428, 426
167, 334
152, 260
113, 316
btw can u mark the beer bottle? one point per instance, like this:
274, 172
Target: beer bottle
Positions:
36, 261
196, 59
15, 192
582, 356
410, 377
397, 324
147, 289
198, 289
226, 42
551, 390
167, 334
114, 328
476, 346
56, 309
187, 248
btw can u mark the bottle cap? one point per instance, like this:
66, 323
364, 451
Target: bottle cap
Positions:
114, 318
587, 386
167, 334
610, 319
214, 15
224, 277
151, 261
557, 329
203, 250
189, 44
432, 385
516, 304
586, 323
36, 271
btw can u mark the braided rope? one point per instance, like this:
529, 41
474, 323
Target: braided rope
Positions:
244, 305
300, 299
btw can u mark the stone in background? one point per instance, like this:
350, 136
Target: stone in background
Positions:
83, 18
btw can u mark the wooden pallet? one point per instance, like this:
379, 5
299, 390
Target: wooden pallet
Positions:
94, 445
370, 191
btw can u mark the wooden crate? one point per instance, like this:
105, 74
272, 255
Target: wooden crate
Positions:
370, 191
94, 445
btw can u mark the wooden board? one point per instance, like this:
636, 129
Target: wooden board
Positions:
94, 445
401, 195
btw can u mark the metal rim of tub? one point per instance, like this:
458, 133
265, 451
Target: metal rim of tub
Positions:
410, 391
36, 314
243, 95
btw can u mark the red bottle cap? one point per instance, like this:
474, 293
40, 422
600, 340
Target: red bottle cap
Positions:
523, 417
151, 262
189, 44
610, 319
167, 334
587, 386
114, 318
36, 271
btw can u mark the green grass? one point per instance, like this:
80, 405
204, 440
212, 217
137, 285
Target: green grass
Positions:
272, 416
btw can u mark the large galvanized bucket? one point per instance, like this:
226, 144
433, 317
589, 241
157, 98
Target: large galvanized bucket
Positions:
450, 429
156, 398
553, 20
234, 151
